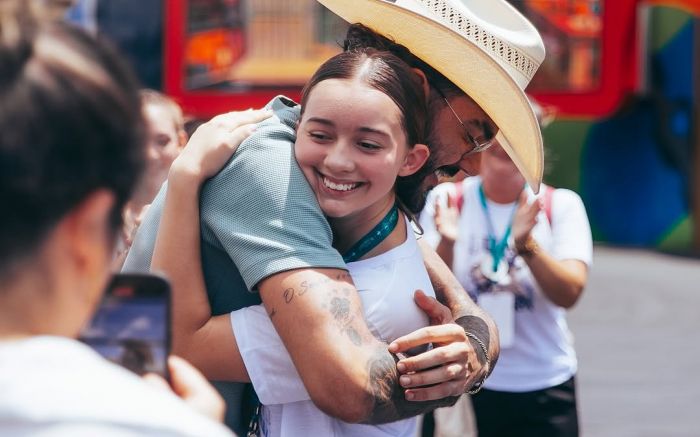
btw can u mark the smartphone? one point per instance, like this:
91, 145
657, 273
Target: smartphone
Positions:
131, 327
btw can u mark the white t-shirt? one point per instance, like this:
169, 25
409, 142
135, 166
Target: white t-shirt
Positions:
56, 387
386, 284
542, 353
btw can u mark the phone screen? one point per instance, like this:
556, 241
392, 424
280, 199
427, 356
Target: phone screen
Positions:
132, 324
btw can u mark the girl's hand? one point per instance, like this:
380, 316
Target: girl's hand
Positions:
214, 142
447, 219
525, 219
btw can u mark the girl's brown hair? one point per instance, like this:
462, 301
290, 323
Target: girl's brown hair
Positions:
387, 73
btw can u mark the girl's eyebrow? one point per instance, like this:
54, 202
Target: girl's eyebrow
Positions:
328, 122
322, 121
374, 131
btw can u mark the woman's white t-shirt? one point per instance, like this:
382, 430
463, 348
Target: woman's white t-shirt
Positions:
542, 353
386, 284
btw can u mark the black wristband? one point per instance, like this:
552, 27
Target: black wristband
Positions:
476, 326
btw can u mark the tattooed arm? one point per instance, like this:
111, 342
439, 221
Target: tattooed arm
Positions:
348, 373
317, 313
465, 313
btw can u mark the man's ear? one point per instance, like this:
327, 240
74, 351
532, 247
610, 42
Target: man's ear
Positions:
423, 81
414, 160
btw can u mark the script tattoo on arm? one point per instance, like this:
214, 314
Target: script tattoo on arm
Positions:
339, 305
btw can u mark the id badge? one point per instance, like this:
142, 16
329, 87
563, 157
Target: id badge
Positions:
501, 307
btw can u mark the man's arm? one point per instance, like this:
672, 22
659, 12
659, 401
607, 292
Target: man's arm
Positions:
348, 373
271, 229
465, 312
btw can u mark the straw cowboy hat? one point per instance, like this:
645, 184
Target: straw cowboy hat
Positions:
485, 47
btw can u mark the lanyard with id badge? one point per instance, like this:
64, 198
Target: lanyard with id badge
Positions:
499, 304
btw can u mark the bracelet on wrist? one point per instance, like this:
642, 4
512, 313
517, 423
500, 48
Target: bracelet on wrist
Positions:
477, 385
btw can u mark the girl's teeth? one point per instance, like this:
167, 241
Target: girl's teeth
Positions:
338, 187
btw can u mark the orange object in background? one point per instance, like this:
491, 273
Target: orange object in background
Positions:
213, 52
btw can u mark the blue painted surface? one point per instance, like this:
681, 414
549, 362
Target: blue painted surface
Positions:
634, 167
673, 64
633, 196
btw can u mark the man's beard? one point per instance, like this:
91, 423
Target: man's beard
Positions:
417, 186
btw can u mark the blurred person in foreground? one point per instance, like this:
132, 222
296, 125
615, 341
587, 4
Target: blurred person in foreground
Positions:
71, 149
166, 136
524, 258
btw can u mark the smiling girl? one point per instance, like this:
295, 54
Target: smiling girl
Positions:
359, 138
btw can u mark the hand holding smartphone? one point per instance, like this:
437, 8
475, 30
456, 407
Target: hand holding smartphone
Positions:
132, 324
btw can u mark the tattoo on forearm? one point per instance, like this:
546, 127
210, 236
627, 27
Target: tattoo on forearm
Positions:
382, 378
456, 301
340, 308
342, 313
288, 295
354, 336
451, 293
390, 403
339, 304
477, 326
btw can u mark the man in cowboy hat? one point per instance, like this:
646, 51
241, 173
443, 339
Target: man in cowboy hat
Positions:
476, 58
367, 387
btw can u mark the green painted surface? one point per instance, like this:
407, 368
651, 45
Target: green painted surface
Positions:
564, 141
665, 23
679, 236
596, 233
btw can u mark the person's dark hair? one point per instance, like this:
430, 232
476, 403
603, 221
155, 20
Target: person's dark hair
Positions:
70, 124
386, 73
361, 37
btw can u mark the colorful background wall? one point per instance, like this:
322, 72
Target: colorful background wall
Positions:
632, 168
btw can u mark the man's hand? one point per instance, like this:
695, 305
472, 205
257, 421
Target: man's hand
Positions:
449, 369
466, 314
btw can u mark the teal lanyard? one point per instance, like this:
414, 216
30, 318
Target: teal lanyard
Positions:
497, 248
373, 237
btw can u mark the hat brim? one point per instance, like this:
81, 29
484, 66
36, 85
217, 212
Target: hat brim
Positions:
467, 66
